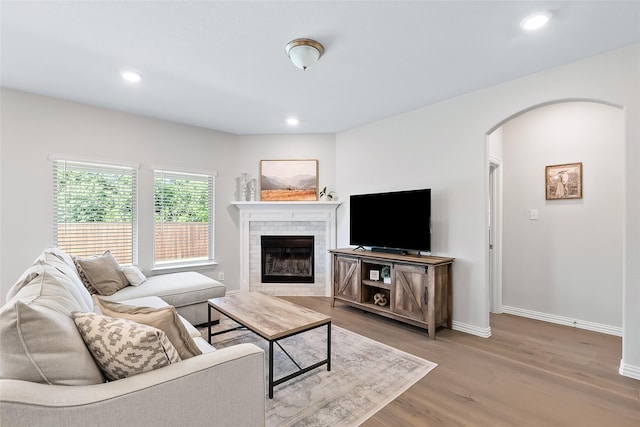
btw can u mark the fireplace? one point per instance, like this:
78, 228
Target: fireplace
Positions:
308, 218
287, 259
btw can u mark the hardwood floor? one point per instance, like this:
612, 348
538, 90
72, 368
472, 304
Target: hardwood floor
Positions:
528, 373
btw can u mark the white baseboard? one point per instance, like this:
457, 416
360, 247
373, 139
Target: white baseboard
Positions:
629, 370
561, 320
470, 329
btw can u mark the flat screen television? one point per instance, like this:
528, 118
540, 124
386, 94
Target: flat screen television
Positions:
398, 220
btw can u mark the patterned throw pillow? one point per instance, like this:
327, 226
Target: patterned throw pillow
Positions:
123, 348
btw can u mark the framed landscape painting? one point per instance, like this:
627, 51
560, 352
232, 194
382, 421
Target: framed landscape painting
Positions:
288, 180
563, 181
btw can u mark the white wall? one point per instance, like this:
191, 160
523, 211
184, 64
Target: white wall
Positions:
34, 126
443, 147
568, 263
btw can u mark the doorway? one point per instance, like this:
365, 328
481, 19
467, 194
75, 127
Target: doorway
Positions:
495, 235
559, 235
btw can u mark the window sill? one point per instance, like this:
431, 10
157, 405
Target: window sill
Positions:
171, 268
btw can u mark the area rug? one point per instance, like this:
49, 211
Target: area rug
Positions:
365, 376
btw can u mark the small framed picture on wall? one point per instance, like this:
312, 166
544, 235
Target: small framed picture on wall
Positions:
563, 181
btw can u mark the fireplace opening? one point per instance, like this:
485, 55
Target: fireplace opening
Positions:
287, 259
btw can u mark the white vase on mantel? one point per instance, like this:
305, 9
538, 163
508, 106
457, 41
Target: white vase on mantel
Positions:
242, 188
252, 190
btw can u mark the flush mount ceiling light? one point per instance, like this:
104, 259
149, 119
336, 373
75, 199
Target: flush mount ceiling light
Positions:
304, 52
131, 76
292, 121
535, 21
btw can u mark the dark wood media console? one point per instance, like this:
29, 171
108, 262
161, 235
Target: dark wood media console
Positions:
418, 290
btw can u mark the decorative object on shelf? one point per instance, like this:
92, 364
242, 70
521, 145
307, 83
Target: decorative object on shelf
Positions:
288, 180
304, 52
329, 195
242, 187
252, 190
374, 275
563, 181
380, 299
385, 273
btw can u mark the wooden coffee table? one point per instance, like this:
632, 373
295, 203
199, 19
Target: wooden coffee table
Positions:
273, 319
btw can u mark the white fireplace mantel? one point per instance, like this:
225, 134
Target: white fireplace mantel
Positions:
258, 211
275, 205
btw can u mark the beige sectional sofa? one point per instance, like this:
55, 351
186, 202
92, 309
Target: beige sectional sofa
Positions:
51, 374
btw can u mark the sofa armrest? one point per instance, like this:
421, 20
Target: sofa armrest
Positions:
223, 388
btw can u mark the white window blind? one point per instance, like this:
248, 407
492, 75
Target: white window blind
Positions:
184, 217
95, 209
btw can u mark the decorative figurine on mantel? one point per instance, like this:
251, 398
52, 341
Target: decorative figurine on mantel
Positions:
244, 185
252, 190
329, 195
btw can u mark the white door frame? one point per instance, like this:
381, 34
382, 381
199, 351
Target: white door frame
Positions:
495, 235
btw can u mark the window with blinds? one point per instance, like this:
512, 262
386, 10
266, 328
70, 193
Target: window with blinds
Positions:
184, 210
95, 209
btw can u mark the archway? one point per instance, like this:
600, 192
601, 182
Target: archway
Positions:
549, 245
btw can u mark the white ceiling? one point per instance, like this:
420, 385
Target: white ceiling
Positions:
221, 64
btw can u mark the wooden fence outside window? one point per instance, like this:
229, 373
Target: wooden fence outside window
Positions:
177, 241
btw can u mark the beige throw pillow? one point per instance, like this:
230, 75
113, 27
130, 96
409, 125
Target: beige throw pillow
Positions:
102, 274
83, 277
165, 318
39, 342
123, 348
134, 275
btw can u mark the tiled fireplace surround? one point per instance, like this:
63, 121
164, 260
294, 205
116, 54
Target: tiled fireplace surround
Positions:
316, 219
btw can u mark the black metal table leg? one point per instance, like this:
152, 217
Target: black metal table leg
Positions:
209, 322
329, 346
270, 369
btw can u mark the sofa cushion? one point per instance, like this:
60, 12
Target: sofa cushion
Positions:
62, 256
40, 342
48, 258
103, 273
124, 348
176, 289
165, 318
64, 263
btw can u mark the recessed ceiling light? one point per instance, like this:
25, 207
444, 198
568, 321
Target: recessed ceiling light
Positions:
292, 121
131, 76
535, 21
